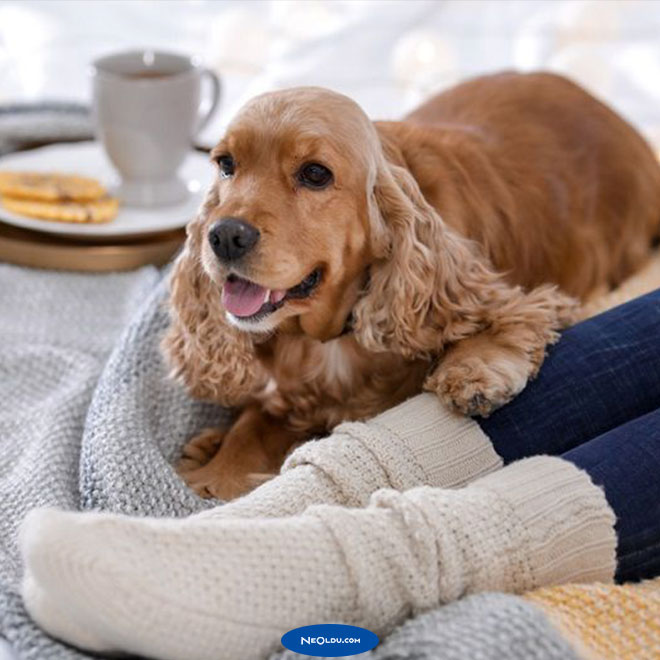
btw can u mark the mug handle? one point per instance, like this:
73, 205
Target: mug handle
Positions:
204, 118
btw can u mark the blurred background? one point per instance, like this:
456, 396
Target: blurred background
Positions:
386, 54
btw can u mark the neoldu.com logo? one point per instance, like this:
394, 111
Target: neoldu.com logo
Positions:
330, 640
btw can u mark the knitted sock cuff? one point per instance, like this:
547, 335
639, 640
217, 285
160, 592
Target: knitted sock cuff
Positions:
537, 522
450, 449
565, 525
418, 442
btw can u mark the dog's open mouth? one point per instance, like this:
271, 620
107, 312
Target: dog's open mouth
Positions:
251, 302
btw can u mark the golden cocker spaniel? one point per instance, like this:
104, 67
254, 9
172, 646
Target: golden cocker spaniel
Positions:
339, 266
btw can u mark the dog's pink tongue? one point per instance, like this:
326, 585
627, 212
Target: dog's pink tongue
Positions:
242, 298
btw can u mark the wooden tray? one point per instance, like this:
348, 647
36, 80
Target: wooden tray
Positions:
41, 250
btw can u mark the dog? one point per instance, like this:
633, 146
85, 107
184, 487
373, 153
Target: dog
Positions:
339, 266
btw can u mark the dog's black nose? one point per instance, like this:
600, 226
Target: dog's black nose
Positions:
232, 238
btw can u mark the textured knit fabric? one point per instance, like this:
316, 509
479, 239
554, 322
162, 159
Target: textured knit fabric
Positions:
229, 588
604, 621
481, 627
24, 125
566, 622
77, 430
450, 449
419, 442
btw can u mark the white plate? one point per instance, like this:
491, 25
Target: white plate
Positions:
89, 159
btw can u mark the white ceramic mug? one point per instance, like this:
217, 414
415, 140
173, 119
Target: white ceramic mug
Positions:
147, 113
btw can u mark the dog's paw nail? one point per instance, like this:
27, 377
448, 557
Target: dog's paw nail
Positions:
478, 405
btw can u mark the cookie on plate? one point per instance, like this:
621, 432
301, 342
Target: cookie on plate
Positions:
50, 187
96, 211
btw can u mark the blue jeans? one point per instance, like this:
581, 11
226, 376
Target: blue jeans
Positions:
596, 403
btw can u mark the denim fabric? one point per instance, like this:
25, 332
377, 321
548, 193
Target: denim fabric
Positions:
626, 463
596, 403
603, 373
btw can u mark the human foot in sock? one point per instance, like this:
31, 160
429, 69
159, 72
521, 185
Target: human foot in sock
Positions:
202, 588
419, 442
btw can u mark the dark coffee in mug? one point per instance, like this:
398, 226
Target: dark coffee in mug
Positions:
138, 75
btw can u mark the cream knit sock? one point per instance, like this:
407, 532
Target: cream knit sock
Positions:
419, 442
203, 588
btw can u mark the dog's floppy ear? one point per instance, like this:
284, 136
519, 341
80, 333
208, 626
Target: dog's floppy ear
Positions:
430, 286
215, 360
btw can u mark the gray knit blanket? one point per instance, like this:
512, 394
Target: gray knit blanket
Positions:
26, 125
88, 420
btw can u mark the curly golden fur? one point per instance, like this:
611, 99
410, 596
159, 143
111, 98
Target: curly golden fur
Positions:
453, 244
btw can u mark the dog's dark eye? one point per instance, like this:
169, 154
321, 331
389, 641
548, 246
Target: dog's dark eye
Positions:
314, 175
226, 164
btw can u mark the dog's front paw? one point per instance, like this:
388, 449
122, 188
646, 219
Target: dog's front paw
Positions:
222, 484
206, 472
200, 450
473, 386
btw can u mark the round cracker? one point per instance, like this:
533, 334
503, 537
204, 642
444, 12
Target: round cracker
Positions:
50, 187
101, 210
